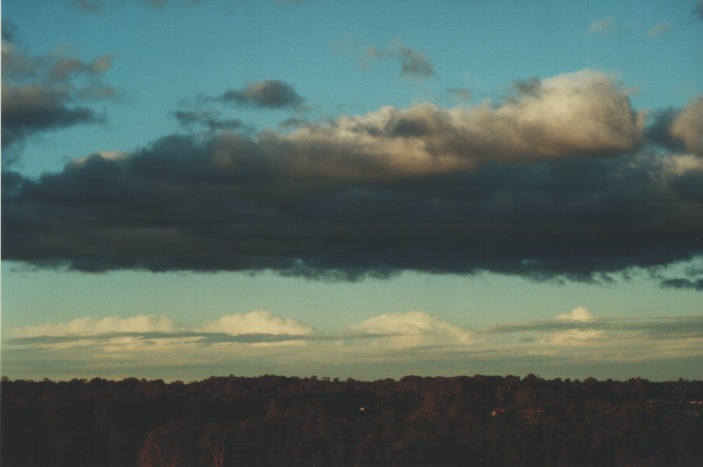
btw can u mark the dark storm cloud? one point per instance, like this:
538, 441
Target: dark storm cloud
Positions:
506, 189
47, 92
271, 94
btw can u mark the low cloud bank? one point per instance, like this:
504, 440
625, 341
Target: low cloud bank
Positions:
413, 342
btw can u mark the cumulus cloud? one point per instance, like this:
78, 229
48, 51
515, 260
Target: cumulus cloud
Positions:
256, 322
551, 182
414, 329
413, 64
271, 94
603, 26
47, 92
577, 314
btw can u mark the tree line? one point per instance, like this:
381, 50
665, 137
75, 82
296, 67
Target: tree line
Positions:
276, 420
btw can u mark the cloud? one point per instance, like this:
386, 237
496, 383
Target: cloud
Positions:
47, 92
413, 329
91, 6
556, 181
679, 129
413, 64
603, 26
683, 283
659, 29
271, 94
698, 10
688, 126
577, 314
84, 327
387, 345
459, 94
8, 30
256, 322
211, 120
96, 6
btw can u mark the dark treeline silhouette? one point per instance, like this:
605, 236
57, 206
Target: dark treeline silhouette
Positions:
274, 420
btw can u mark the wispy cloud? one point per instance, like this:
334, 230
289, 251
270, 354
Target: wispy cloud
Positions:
459, 94
698, 10
415, 340
96, 6
659, 29
413, 64
603, 26
208, 119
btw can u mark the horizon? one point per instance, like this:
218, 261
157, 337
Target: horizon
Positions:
352, 190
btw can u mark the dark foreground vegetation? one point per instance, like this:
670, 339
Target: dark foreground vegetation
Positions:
271, 420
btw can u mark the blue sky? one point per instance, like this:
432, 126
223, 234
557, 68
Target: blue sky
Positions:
362, 189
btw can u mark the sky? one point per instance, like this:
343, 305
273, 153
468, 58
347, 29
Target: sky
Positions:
352, 189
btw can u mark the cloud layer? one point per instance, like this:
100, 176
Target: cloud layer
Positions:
560, 179
577, 343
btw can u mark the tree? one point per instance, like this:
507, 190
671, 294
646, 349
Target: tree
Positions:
163, 446
213, 443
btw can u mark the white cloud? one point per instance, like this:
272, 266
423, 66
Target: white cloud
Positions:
414, 329
582, 113
256, 322
92, 327
577, 314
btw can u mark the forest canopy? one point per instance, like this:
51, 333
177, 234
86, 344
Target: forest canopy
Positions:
276, 420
